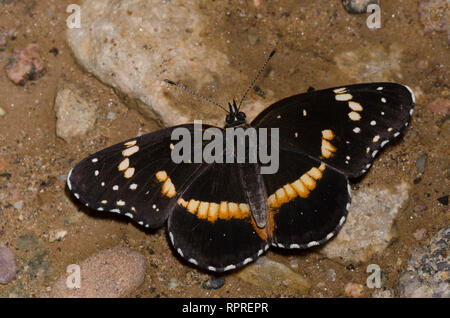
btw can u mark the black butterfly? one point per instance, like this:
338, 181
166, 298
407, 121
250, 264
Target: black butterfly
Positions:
223, 216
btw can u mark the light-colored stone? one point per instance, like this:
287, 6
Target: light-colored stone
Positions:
133, 45
56, 235
353, 290
268, 274
369, 225
110, 273
75, 112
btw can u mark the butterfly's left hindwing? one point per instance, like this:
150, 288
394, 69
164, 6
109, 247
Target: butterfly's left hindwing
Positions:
344, 126
136, 178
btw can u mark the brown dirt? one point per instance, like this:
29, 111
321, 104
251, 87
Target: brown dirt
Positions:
307, 38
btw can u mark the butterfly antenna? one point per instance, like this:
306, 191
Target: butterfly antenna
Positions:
183, 87
256, 78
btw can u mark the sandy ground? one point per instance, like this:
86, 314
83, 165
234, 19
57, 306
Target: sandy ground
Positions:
32, 157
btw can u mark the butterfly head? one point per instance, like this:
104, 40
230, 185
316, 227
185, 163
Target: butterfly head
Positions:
234, 117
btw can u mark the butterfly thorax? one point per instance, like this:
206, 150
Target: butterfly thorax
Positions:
235, 118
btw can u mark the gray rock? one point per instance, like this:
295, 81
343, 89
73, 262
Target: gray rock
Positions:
75, 112
7, 265
27, 242
358, 6
214, 282
421, 162
428, 270
110, 273
268, 274
38, 261
369, 225
133, 45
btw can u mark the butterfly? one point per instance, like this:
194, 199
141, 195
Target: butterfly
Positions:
222, 216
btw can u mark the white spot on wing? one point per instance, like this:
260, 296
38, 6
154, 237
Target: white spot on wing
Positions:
412, 93
229, 267
180, 252
68, 179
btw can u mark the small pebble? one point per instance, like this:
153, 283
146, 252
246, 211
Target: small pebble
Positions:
2, 112
293, 263
18, 205
54, 51
353, 290
443, 200
56, 235
420, 208
357, 6
214, 283
7, 265
173, 283
419, 234
252, 38
331, 274
26, 64
62, 177
420, 162
382, 293
111, 116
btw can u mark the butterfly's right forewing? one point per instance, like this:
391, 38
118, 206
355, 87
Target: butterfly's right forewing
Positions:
136, 178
